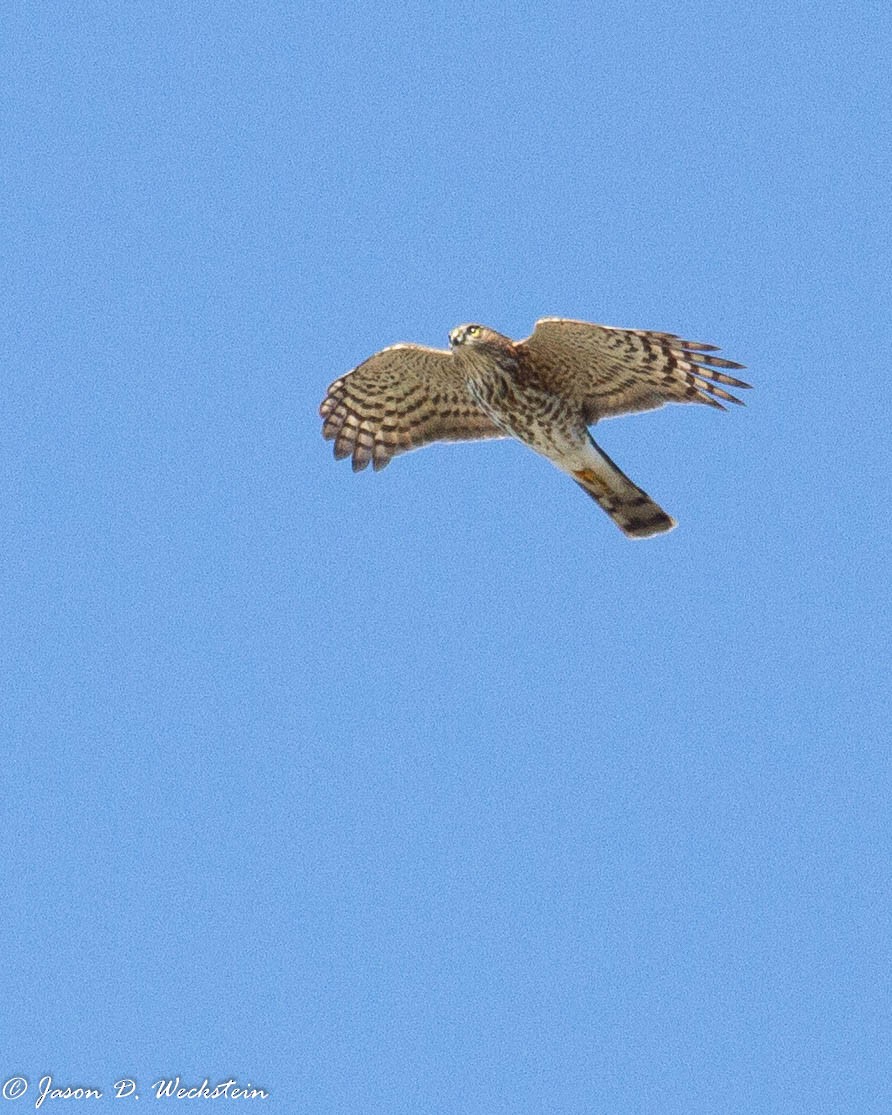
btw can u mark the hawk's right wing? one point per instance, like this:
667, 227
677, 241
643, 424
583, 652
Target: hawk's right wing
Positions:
401, 398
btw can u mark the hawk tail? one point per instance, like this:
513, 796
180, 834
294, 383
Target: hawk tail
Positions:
633, 511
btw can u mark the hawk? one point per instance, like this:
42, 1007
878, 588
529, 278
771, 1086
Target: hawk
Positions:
545, 391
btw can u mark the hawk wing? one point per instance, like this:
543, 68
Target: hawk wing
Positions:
401, 398
616, 371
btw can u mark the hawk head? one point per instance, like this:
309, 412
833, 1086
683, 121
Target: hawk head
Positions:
473, 335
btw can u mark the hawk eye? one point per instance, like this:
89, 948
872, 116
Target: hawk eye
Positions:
473, 330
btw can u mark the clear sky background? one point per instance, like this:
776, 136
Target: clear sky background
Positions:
428, 791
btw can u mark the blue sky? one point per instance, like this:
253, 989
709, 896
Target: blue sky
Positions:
427, 790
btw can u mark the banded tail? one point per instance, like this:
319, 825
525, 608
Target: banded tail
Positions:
633, 511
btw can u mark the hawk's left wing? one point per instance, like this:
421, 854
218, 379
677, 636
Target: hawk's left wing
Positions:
616, 371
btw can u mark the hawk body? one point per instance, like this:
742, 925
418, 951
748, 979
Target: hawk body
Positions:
545, 391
